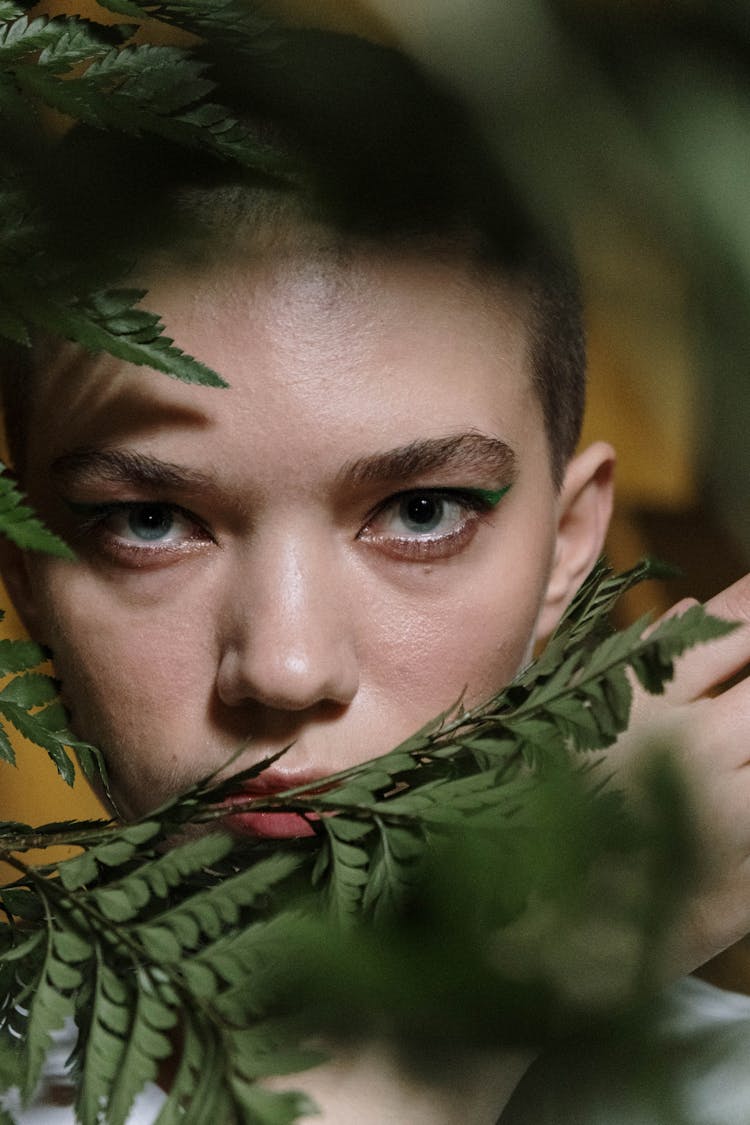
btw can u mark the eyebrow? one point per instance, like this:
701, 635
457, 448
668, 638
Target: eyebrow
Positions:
471, 452
128, 467
467, 452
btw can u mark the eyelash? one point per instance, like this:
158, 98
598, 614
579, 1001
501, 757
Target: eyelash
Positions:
473, 502
93, 525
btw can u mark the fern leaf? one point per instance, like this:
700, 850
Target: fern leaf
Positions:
147, 1045
19, 523
9, 11
234, 22
347, 875
393, 870
112, 94
193, 1058
162, 875
102, 1041
40, 736
250, 954
142, 343
30, 690
51, 1005
207, 914
270, 1046
61, 42
199, 1089
167, 78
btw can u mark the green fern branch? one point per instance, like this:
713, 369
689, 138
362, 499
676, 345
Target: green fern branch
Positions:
224, 939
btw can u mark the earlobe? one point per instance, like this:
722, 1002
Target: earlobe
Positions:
585, 507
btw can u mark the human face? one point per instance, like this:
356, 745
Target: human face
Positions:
304, 557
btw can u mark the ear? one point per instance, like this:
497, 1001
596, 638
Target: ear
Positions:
15, 567
585, 507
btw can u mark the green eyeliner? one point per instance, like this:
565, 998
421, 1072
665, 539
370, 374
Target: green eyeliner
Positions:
489, 496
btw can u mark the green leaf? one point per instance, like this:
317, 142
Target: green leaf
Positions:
50, 1007
19, 524
18, 656
146, 1047
103, 1047
235, 23
79, 870
71, 947
30, 690
23, 903
139, 340
9, 11
216, 909
38, 734
24, 948
347, 873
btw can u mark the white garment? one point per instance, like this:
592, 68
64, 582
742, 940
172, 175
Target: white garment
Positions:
45, 1108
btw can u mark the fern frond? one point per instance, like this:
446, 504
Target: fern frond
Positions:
206, 914
51, 1004
19, 523
137, 89
62, 41
235, 23
133, 335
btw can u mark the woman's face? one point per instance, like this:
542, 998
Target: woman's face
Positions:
322, 555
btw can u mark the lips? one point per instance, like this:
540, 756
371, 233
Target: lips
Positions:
282, 825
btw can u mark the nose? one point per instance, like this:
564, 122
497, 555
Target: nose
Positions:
289, 638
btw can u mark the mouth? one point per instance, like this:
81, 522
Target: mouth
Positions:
267, 823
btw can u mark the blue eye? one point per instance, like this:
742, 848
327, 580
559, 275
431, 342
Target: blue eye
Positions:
140, 532
421, 512
428, 523
151, 521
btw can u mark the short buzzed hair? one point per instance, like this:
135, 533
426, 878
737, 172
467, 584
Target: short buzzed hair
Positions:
381, 157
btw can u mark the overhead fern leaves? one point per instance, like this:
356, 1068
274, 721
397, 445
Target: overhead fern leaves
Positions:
135, 88
93, 74
109, 321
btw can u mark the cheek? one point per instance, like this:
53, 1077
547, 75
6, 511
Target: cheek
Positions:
124, 672
474, 640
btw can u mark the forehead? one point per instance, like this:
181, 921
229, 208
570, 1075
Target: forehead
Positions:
364, 348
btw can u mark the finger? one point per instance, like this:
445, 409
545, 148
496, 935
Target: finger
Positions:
708, 666
726, 724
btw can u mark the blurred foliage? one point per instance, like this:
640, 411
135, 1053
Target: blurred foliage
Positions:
627, 123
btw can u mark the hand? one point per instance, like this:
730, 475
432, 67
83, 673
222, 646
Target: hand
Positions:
705, 715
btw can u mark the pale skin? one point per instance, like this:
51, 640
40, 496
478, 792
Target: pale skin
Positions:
251, 565
289, 601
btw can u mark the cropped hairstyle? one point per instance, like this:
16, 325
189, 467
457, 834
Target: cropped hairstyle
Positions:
364, 147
